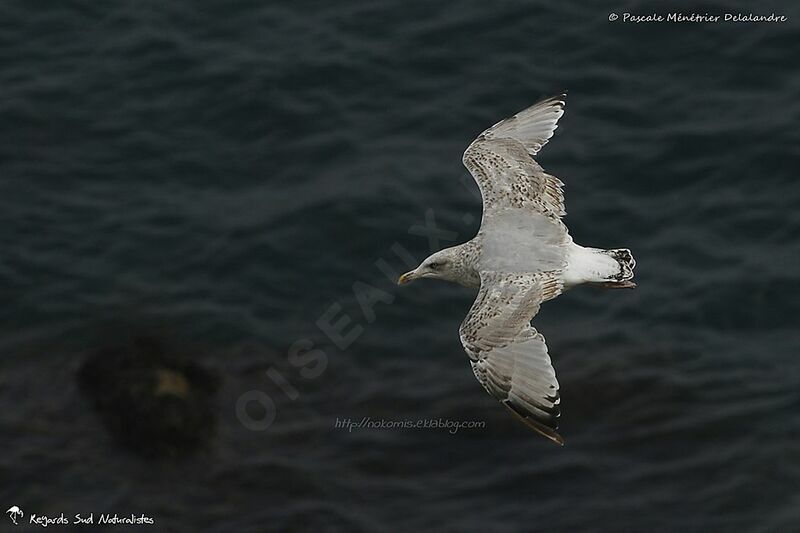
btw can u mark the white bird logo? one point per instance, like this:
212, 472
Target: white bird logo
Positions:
15, 512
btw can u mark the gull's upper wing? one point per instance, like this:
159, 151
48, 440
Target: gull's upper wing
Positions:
509, 357
501, 162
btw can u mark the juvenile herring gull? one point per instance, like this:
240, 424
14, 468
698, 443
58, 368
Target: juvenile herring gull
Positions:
522, 256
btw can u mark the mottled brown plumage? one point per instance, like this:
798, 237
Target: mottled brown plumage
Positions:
522, 256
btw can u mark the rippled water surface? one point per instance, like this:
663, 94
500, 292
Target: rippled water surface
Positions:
222, 174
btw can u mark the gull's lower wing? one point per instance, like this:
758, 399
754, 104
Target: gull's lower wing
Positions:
509, 357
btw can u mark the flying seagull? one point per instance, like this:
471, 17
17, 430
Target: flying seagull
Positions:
522, 256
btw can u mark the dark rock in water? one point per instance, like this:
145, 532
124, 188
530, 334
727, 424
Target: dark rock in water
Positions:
153, 401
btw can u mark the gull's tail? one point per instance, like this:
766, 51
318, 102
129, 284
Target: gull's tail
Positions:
621, 275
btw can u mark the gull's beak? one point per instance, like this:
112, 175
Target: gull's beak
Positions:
407, 277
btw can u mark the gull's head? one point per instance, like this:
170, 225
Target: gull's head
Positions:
441, 265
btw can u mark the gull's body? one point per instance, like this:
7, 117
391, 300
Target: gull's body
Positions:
522, 256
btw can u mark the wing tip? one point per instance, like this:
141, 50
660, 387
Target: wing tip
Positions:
543, 430
560, 99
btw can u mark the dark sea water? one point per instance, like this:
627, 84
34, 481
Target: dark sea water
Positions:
219, 175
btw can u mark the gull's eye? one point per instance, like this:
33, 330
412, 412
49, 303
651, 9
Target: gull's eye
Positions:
434, 265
